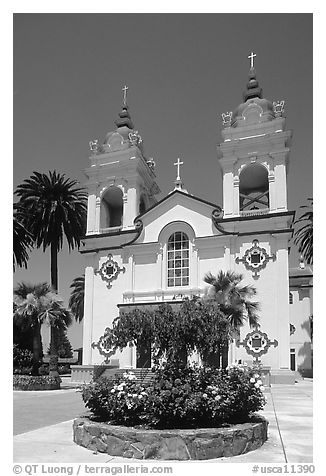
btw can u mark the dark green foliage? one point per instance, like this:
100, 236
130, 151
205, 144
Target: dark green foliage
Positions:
23, 338
304, 234
76, 300
120, 400
64, 348
177, 397
55, 208
28, 382
22, 360
22, 238
173, 332
62, 369
35, 305
233, 299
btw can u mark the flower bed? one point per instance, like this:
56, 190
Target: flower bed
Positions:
29, 382
186, 397
182, 413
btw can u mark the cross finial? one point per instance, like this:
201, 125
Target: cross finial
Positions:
251, 57
178, 163
125, 89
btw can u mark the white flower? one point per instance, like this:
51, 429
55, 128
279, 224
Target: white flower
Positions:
218, 397
256, 375
260, 382
113, 390
204, 395
129, 376
252, 380
257, 385
262, 388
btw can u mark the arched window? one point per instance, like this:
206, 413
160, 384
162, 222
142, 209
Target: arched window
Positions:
254, 188
178, 259
142, 205
111, 208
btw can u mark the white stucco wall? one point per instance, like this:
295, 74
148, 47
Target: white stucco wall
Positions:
300, 340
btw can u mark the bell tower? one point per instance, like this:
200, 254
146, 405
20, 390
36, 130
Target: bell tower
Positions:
121, 180
254, 158
254, 154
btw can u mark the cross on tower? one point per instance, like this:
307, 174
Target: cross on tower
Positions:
251, 57
125, 89
178, 163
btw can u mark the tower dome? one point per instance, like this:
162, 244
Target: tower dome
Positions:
255, 108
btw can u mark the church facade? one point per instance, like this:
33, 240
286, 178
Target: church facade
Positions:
141, 252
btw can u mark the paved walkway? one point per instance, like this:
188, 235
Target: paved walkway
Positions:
288, 410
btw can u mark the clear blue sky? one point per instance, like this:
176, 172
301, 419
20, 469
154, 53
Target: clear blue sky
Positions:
183, 71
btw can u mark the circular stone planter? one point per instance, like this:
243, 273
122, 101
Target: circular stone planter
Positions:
193, 444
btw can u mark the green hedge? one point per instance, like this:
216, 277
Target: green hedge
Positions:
29, 382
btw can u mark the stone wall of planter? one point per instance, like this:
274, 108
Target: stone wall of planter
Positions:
193, 444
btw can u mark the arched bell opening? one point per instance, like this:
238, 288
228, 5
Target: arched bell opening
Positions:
142, 205
253, 188
111, 208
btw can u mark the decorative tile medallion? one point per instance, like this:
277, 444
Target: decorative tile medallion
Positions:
100, 345
110, 270
255, 258
256, 344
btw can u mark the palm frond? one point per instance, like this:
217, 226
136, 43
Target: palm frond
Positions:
23, 240
303, 236
56, 207
76, 300
232, 298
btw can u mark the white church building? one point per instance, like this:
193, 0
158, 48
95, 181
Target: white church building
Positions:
142, 252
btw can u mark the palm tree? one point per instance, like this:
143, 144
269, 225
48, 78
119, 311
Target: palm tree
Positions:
76, 300
233, 300
36, 304
304, 235
56, 208
22, 239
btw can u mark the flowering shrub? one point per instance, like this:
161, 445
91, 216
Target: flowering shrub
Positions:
178, 397
121, 400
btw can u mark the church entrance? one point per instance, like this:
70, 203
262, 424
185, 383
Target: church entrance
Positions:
143, 356
218, 360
